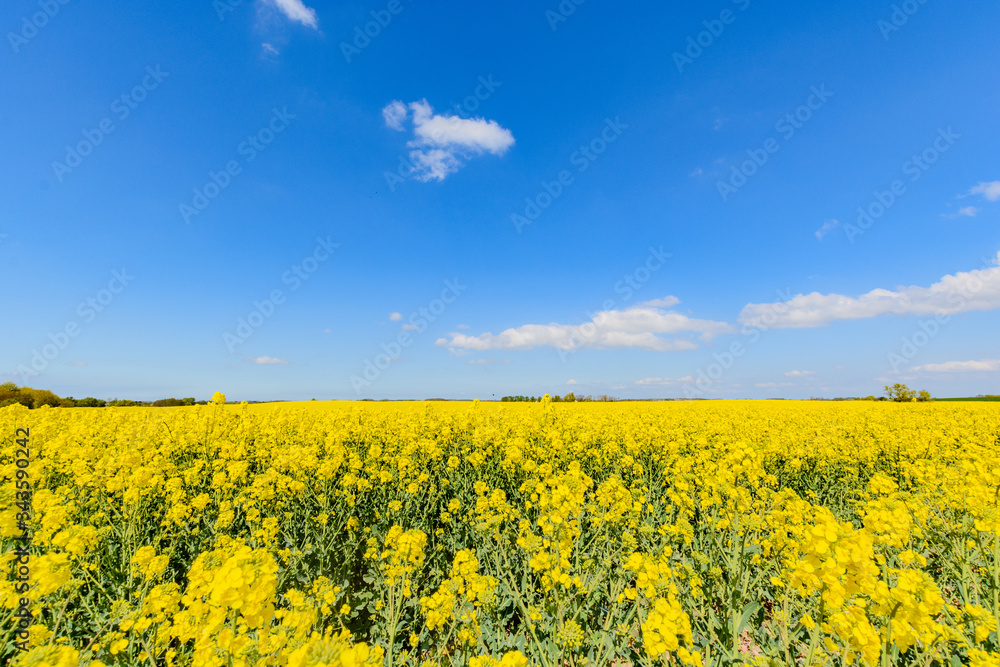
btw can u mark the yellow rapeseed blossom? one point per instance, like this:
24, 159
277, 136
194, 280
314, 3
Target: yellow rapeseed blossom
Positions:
411, 534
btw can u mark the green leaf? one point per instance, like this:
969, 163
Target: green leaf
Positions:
748, 611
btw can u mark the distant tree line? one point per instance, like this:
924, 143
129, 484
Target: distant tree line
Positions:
10, 394
568, 398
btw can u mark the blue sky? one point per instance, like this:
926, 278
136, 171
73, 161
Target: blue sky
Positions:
632, 199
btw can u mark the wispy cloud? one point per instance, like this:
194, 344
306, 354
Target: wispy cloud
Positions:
990, 190
79, 364
296, 11
442, 143
642, 326
967, 211
799, 374
394, 114
395, 317
827, 227
774, 385
267, 361
960, 366
959, 293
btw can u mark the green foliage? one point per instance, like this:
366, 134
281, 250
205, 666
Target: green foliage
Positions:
90, 402
900, 393
10, 394
168, 403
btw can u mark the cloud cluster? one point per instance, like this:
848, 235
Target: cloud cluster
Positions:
959, 293
643, 326
960, 366
991, 190
442, 143
296, 11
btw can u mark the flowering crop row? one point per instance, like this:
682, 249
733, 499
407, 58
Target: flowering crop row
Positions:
323, 534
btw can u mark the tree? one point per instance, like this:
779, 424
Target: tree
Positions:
570, 398
90, 402
167, 403
188, 401
40, 397
924, 396
900, 393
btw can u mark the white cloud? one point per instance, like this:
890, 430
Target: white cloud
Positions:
79, 364
267, 361
774, 385
960, 366
571, 383
967, 211
441, 143
799, 374
697, 172
635, 327
297, 11
989, 190
959, 293
394, 114
828, 226
410, 327
269, 48
463, 326
395, 317
327, 331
